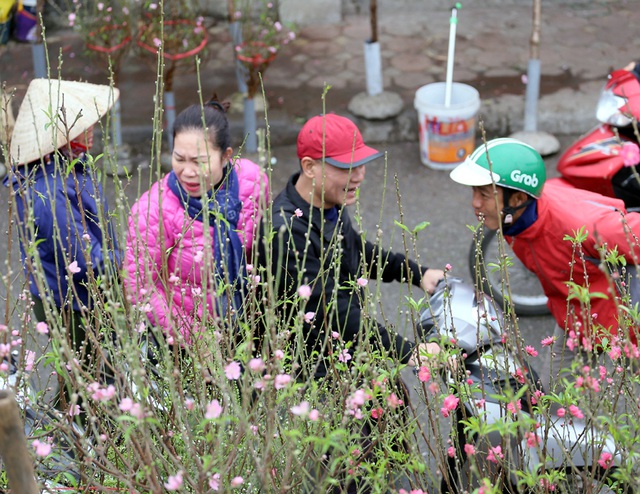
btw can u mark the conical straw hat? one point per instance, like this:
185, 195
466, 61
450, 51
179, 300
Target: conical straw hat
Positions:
40, 125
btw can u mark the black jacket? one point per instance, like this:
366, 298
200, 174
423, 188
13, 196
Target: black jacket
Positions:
329, 257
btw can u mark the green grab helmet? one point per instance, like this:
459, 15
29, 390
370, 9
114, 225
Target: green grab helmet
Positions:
514, 165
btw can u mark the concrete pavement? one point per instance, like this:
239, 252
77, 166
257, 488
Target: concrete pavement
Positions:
580, 43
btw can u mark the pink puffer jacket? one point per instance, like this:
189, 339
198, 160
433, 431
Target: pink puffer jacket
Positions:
169, 258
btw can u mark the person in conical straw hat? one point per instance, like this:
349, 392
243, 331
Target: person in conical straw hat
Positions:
79, 106
64, 214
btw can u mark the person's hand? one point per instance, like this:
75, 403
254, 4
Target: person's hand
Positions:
430, 279
424, 354
427, 354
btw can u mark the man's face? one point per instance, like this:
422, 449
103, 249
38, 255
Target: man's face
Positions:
487, 206
336, 186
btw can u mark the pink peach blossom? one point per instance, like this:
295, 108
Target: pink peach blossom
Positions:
214, 482
531, 351
576, 412
281, 381
302, 410
42, 448
344, 356
233, 371
630, 154
495, 454
174, 482
42, 327
214, 410
304, 291
450, 404
424, 374
393, 401
605, 460
256, 364
548, 341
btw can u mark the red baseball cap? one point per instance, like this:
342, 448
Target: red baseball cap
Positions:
338, 137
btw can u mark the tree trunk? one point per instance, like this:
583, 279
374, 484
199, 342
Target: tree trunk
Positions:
13, 447
534, 43
373, 8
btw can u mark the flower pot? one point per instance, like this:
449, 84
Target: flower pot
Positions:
183, 38
102, 39
256, 54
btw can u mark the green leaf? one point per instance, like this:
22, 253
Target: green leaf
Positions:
420, 226
404, 227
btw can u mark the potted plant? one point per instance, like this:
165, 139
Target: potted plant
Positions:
177, 37
261, 37
107, 31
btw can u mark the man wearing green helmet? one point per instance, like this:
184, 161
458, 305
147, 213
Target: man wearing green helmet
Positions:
536, 215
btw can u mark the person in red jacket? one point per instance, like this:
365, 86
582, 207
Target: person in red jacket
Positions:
539, 218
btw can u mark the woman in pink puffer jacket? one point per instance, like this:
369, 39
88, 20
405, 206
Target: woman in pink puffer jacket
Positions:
191, 233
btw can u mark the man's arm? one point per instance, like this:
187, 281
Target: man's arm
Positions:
299, 262
397, 267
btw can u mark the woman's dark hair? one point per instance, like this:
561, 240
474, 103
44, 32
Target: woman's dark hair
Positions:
214, 116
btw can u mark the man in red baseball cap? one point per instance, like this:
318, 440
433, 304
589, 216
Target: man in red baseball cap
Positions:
319, 263
337, 140
316, 246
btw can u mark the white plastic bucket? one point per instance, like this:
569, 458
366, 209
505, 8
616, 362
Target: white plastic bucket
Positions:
447, 133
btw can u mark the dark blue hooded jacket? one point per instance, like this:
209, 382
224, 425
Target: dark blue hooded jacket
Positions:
67, 208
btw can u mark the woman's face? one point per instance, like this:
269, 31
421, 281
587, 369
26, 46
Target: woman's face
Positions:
82, 143
197, 162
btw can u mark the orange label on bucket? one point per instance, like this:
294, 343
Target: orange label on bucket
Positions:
447, 142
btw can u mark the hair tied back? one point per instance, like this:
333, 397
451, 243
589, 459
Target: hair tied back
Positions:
214, 103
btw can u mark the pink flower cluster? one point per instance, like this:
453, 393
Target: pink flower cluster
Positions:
214, 410
135, 409
43, 448
495, 454
355, 401
630, 154
174, 482
304, 410
99, 393
574, 411
449, 405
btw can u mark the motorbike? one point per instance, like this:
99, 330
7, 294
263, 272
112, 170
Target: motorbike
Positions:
594, 162
489, 376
